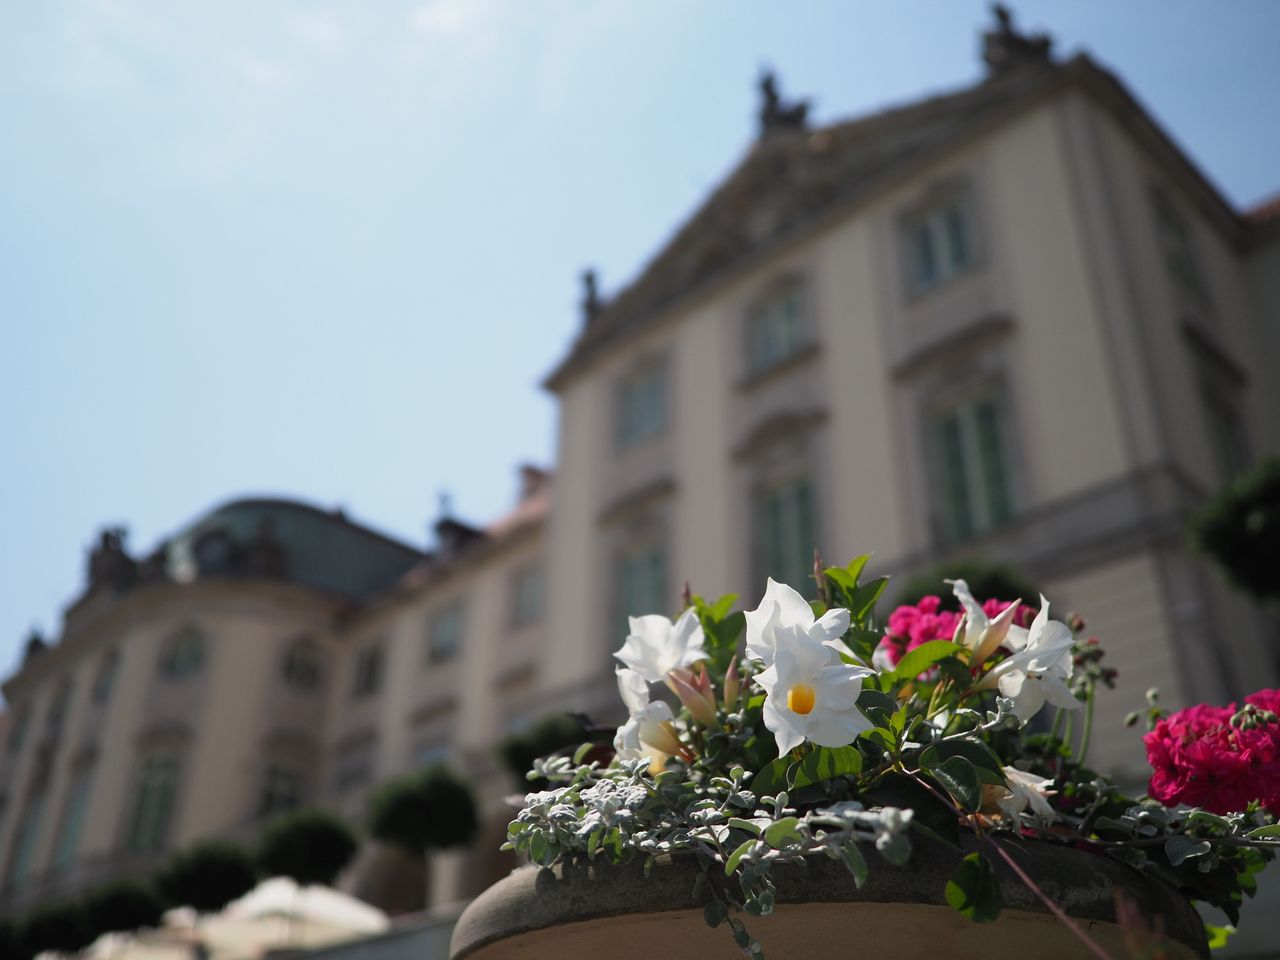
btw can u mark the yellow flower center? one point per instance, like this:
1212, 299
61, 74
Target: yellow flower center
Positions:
800, 698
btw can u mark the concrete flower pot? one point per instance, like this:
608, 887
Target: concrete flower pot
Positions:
596, 910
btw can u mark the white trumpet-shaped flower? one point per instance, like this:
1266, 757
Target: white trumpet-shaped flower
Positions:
783, 616
648, 731
1038, 673
1027, 790
656, 646
981, 635
811, 694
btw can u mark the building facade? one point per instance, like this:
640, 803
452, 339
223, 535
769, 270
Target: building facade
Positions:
1012, 321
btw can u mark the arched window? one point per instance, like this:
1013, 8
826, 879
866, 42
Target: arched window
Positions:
153, 803
59, 706
106, 678
302, 667
183, 655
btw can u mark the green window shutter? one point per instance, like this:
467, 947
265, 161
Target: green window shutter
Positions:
73, 819
994, 461
953, 482
957, 232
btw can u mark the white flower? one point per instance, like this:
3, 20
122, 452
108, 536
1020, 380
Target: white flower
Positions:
656, 646
783, 616
811, 695
1038, 673
981, 635
1026, 789
648, 731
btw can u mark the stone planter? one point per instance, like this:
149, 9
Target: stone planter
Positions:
596, 910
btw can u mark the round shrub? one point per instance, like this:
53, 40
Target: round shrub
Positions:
430, 809
207, 876
1240, 530
308, 846
123, 906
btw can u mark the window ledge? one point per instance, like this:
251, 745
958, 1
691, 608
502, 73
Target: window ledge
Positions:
922, 354
801, 357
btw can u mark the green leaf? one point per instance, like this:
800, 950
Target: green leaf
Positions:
593, 842
782, 832
856, 863
917, 661
1269, 832
648, 865
975, 751
747, 825
1218, 936
1180, 848
959, 778
864, 598
898, 790
869, 699
732, 863
974, 891
715, 913
772, 778
826, 763
580, 754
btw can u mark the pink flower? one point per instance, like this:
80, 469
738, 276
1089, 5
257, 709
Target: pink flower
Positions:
1218, 758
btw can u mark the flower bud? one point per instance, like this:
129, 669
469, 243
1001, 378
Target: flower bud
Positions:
701, 704
732, 685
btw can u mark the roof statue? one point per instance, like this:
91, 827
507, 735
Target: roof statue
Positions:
590, 296
775, 115
1004, 48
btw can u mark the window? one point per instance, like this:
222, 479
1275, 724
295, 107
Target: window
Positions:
73, 812
18, 732
1226, 432
301, 667
776, 328
24, 841
1177, 245
106, 679
153, 804
527, 591
641, 583
282, 790
938, 243
433, 754
183, 655
641, 406
972, 455
368, 675
444, 634
783, 538
58, 708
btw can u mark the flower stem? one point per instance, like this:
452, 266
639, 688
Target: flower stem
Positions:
1088, 727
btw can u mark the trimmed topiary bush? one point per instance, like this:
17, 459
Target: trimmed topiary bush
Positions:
123, 906
59, 927
1240, 530
207, 876
308, 846
430, 809
986, 581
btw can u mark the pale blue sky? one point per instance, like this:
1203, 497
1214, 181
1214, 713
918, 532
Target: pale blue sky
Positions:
327, 250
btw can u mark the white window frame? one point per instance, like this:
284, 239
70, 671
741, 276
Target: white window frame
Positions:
985, 507
778, 326
641, 404
933, 221
446, 631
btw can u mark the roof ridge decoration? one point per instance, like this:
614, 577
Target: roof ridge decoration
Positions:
777, 116
1004, 48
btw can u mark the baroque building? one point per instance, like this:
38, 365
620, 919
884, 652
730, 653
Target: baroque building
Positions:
1011, 321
